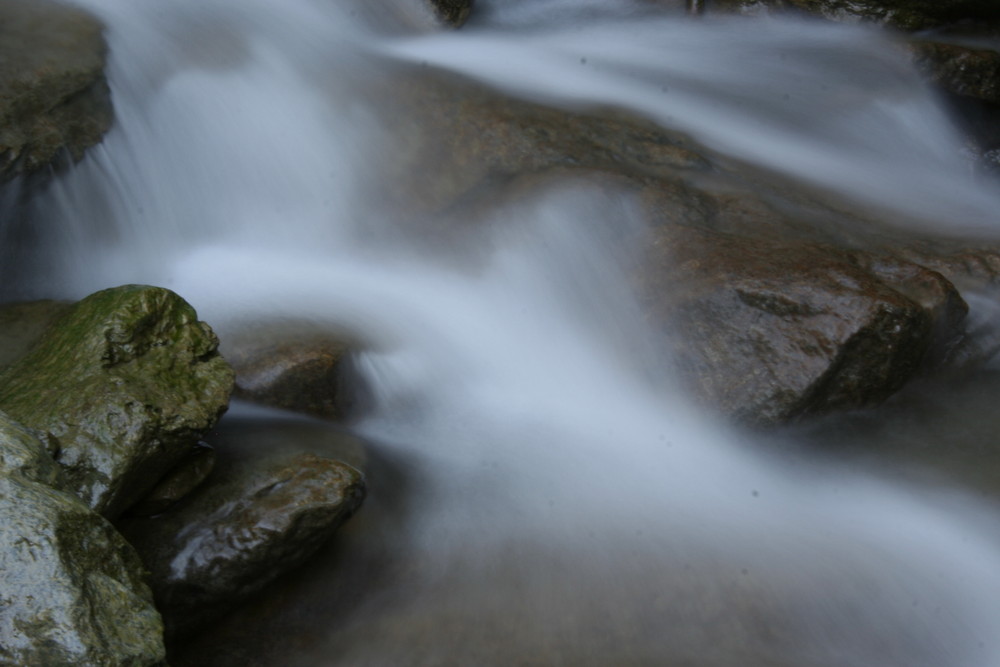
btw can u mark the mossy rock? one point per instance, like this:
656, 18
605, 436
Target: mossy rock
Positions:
22, 324
123, 385
54, 99
72, 591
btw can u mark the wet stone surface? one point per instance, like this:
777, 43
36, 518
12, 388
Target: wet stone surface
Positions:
123, 384
297, 367
54, 99
72, 592
278, 492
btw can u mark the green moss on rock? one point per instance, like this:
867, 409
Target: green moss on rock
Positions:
124, 384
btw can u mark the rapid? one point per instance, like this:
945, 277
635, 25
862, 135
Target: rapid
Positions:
544, 493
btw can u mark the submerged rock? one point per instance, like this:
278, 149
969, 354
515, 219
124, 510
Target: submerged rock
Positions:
123, 384
297, 367
72, 591
452, 12
757, 285
278, 493
53, 95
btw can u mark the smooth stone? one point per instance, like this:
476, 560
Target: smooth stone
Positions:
296, 366
280, 490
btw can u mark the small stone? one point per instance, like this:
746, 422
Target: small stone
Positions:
295, 367
184, 478
267, 507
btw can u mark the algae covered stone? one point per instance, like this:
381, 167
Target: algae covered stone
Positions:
123, 384
71, 589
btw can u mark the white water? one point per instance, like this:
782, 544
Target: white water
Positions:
570, 509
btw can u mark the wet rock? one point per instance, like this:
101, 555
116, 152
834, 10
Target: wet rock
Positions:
123, 384
851, 327
72, 592
905, 14
297, 367
278, 493
181, 480
961, 70
769, 331
452, 12
54, 99
479, 140
22, 324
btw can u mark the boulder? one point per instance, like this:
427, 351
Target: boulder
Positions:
849, 328
278, 493
54, 99
72, 591
769, 331
480, 140
123, 384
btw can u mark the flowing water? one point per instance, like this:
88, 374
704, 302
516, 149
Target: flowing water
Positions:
541, 495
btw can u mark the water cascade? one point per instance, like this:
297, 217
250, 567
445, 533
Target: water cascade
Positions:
545, 495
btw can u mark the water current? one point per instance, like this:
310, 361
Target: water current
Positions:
545, 497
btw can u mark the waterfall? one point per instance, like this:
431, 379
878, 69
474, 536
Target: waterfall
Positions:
565, 502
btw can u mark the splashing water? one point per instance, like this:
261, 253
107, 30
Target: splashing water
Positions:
563, 508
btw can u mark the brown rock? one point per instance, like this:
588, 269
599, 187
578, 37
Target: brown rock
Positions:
296, 367
769, 331
757, 284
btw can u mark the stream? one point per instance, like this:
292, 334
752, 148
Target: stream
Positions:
541, 492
